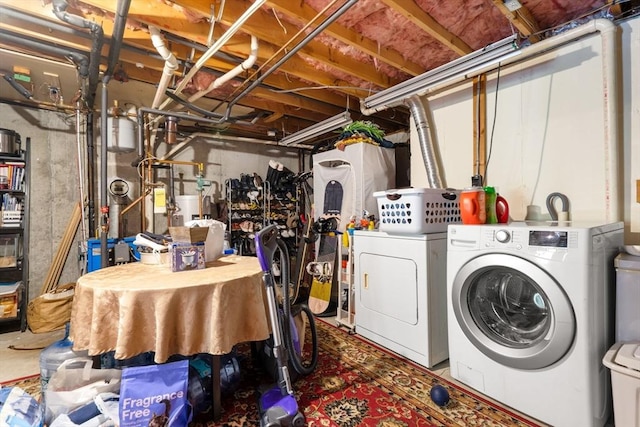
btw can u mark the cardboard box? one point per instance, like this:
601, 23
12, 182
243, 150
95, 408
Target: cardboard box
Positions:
189, 234
187, 256
10, 300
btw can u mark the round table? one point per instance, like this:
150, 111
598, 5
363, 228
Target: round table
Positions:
135, 308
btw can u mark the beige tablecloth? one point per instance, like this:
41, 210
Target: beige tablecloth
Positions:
135, 308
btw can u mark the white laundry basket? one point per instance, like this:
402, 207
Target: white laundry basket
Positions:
623, 358
418, 210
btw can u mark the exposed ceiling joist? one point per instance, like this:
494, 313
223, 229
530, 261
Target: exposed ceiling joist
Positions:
424, 21
520, 17
373, 46
305, 13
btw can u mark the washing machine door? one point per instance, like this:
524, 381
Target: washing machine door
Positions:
513, 311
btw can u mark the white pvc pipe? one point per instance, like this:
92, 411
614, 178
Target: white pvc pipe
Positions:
170, 64
246, 64
215, 47
611, 102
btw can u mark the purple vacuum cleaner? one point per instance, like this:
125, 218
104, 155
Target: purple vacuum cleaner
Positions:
278, 406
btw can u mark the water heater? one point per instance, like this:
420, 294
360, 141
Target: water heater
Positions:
121, 134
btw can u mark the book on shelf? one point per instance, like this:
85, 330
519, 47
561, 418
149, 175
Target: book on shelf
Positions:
11, 176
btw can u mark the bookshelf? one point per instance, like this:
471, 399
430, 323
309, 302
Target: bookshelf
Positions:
14, 239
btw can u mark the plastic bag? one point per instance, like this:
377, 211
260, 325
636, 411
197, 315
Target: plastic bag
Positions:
76, 383
157, 392
214, 245
18, 408
102, 411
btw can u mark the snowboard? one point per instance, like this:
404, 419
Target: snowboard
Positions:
306, 254
323, 295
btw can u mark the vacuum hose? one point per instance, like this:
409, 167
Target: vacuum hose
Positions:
551, 198
294, 348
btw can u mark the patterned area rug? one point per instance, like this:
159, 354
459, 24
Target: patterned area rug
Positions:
356, 384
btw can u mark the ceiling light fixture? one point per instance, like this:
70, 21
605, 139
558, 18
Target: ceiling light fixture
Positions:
464, 67
324, 126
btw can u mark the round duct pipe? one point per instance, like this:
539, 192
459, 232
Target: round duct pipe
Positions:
419, 114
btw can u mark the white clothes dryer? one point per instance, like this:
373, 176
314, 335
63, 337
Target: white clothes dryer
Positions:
530, 316
401, 293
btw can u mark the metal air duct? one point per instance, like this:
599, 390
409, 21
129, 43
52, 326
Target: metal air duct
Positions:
427, 148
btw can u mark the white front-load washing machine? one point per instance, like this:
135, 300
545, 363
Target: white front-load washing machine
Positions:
401, 293
530, 316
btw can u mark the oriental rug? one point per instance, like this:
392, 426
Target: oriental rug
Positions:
357, 383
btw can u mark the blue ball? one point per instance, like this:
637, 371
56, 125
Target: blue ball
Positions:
439, 395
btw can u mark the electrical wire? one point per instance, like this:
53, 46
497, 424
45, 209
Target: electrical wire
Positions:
275, 15
493, 125
544, 141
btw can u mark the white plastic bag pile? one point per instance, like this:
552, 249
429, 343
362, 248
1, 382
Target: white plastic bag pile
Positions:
18, 408
78, 395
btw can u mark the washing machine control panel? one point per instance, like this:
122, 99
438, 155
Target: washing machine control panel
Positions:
554, 239
503, 236
506, 237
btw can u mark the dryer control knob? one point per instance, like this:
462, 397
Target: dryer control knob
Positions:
503, 236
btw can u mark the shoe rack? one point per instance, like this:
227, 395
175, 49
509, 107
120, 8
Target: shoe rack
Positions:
254, 203
245, 211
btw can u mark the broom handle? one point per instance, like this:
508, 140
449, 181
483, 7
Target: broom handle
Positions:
55, 269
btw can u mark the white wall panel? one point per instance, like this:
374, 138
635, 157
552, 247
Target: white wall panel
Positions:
550, 131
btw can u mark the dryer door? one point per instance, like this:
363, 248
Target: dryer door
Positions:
513, 311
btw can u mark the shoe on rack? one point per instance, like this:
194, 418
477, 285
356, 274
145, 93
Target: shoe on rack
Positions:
292, 220
257, 181
271, 172
253, 196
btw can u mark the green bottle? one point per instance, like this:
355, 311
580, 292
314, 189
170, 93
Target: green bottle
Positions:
490, 203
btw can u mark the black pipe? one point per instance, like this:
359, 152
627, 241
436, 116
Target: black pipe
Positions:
81, 61
140, 117
104, 203
114, 54
118, 33
335, 15
39, 21
145, 110
14, 84
95, 56
91, 161
97, 37
208, 114
68, 30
